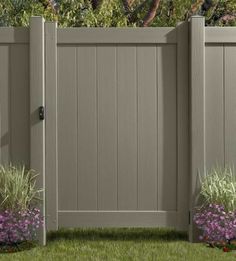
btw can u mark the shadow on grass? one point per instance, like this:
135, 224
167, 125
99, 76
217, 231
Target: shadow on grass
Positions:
18, 247
118, 234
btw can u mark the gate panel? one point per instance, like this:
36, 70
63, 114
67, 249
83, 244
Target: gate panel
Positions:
117, 139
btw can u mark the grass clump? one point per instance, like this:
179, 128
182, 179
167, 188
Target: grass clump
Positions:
218, 186
17, 188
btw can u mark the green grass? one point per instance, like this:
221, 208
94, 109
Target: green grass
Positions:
119, 244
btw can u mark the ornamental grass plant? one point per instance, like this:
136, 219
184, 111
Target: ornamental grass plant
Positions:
218, 186
17, 188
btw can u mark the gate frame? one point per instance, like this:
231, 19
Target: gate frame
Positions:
43, 84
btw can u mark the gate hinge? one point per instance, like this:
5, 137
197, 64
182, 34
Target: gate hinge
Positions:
41, 113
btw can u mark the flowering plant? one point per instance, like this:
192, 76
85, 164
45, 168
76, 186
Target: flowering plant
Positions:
217, 225
19, 217
19, 226
216, 217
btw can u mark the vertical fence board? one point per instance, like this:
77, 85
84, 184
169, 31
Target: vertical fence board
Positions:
127, 128
67, 128
167, 128
197, 111
51, 125
20, 132
87, 128
230, 104
107, 128
214, 96
183, 124
37, 148
4, 105
147, 128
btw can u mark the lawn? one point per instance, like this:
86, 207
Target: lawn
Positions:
119, 244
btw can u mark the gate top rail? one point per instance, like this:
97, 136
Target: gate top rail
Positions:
116, 35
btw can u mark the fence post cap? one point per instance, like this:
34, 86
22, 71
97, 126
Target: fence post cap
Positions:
197, 16
32, 18
36, 16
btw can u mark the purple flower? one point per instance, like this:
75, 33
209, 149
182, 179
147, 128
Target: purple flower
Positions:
216, 224
19, 226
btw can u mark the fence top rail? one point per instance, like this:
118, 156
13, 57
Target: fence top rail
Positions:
116, 35
220, 34
160, 35
10, 35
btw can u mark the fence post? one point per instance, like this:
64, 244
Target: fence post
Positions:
37, 126
51, 124
197, 130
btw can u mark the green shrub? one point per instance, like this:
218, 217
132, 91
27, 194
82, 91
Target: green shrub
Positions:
17, 188
218, 186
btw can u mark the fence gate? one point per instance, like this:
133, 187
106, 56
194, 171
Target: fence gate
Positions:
116, 127
113, 149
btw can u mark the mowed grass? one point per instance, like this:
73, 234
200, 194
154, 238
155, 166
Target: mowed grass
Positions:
120, 244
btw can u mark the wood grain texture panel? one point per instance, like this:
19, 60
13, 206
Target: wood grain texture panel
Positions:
230, 104
87, 128
107, 128
147, 128
214, 102
67, 128
4, 105
127, 128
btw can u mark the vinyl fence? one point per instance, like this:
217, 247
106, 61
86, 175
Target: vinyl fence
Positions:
118, 121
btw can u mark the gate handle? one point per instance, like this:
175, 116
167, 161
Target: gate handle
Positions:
41, 113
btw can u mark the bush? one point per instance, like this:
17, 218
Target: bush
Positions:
111, 13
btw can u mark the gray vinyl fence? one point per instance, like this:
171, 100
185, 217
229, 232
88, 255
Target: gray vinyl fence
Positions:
131, 116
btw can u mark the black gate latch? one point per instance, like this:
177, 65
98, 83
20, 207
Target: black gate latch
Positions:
41, 113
